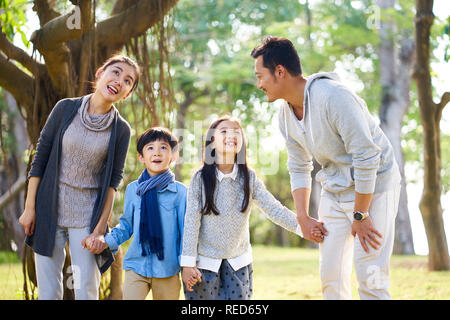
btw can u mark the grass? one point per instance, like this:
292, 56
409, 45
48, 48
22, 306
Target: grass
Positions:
291, 274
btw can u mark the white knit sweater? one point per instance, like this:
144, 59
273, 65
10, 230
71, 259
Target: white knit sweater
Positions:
227, 236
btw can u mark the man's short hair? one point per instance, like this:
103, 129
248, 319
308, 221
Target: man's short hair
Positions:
278, 51
156, 133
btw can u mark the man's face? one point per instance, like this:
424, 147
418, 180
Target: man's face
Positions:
267, 81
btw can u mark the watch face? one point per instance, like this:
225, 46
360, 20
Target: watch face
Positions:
358, 216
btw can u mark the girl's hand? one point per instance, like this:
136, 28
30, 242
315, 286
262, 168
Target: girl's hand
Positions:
190, 276
28, 220
317, 234
310, 226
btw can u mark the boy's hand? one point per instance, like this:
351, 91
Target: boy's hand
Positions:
190, 276
95, 243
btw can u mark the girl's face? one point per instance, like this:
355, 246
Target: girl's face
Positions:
228, 138
116, 81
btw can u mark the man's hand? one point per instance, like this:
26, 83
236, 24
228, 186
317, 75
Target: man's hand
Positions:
366, 233
312, 229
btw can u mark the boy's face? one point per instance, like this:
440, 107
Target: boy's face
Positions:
157, 156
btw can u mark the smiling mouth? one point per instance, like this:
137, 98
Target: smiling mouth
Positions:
112, 89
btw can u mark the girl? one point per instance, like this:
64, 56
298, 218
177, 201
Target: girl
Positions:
75, 173
217, 256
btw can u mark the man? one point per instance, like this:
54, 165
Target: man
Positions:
360, 179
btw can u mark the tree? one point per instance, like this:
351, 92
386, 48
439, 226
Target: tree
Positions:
430, 115
395, 68
73, 46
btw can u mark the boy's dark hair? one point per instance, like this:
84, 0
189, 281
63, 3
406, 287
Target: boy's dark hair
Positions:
278, 51
156, 133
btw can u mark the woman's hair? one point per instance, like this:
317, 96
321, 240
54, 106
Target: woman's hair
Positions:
208, 171
156, 133
119, 58
278, 51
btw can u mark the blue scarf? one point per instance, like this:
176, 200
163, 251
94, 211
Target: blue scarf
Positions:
150, 229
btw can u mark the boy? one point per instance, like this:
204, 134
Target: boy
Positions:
154, 212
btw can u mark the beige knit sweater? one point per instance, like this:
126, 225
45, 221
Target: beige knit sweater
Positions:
84, 150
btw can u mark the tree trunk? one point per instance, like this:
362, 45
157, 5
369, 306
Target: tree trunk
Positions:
395, 82
14, 171
180, 125
430, 114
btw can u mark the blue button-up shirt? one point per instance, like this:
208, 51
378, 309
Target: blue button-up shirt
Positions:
172, 207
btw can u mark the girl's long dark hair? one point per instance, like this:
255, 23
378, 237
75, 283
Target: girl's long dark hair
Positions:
208, 171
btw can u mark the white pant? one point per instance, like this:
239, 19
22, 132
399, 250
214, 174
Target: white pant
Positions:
85, 278
338, 248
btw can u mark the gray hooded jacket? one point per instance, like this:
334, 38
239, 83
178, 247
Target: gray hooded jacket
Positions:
340, 133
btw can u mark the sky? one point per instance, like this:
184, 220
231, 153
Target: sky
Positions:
441, 83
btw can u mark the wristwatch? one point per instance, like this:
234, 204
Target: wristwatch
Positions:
360, 216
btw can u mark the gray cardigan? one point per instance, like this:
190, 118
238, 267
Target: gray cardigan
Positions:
46, 166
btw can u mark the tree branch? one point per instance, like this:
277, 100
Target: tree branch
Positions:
13, 191
59, 30
17, 82
441, 105
45, 10
19, 55
132, 22
444, 100
121, 5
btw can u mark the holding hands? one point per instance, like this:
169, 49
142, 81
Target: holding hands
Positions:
190, 276
312, 229
95, 243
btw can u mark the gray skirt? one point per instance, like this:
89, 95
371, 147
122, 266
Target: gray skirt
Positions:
226, 284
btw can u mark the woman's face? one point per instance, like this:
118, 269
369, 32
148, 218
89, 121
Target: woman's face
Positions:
116, 81
228, 139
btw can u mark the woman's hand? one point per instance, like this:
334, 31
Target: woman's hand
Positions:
94, 242
28, 220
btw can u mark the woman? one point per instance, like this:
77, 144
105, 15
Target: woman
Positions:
75, 172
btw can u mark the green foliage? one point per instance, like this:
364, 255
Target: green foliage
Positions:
13, 19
